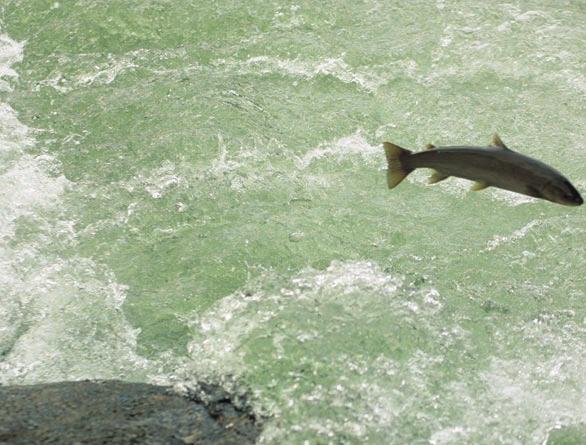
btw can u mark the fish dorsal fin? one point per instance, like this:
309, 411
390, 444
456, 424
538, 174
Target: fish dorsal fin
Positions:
430, 146
498, 142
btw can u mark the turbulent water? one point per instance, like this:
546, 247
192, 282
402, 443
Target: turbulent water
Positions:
196, 190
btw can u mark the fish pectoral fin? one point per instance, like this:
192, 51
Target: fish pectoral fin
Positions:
437, 177
479, 185
430, 146
497, 142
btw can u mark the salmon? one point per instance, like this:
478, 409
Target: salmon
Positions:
493, 166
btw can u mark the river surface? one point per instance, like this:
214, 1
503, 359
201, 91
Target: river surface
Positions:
196, 190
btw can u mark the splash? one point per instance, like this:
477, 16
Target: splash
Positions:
334, 67
314, 324
343, 148
59, 318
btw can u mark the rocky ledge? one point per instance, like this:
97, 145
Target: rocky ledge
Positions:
115, 412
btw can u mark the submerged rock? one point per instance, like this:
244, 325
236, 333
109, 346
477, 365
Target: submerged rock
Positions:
115, 412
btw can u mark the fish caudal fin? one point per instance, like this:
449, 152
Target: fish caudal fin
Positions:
396, 170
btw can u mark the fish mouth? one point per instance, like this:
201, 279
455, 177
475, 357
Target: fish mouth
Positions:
577, 201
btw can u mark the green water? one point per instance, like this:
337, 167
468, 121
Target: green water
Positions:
196, 190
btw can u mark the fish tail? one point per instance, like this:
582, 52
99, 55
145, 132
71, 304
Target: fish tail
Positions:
397, 170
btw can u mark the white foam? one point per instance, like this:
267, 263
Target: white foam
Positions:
101, 74
307, 311
498, 240
511, 198
363, 396
92, 72
528, 393
162, 180
228, 322
543, 385
287, 18
10, 53
529, 16
335, 67
573, 78
222, 165
26, 183
66, 324
14, 136
450, 435
24, 189
245, 169
60, 319
343, 148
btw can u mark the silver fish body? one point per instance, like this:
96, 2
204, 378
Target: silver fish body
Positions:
495, 165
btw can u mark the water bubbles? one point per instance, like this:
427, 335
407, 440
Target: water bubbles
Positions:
314, 329
343, 148
307, 70
296, 237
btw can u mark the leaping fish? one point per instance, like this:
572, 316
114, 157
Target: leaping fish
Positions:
492, 166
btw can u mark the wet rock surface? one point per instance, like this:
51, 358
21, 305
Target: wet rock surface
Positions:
115, 412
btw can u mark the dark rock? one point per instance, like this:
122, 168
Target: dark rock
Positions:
115, 412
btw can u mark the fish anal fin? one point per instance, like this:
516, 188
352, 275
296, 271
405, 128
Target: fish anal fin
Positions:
479, 185
437, 177
498, 142
396, 170
430, 146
